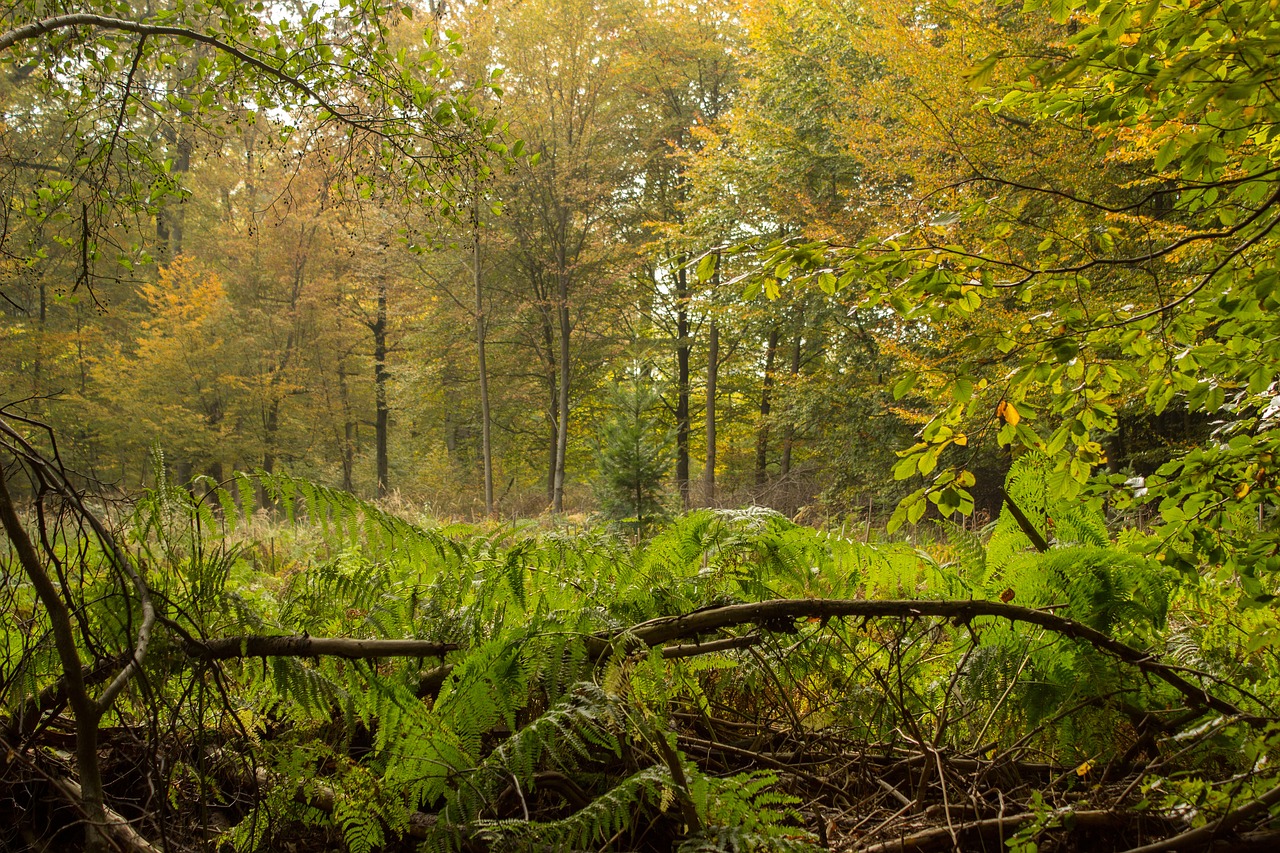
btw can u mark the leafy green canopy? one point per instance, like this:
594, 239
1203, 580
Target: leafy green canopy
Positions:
1158, 291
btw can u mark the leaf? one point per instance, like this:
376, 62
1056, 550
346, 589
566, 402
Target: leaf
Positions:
707, 267
1008, 413
904, 385
982, 73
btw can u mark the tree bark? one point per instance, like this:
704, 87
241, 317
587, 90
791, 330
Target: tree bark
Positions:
553, 396
382, 414
288, 645
348, 431
713, 368
486, 447
683, 347
562, 403
766, 403
789, 431
86, 711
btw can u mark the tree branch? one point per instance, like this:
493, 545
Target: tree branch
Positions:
36, 29
783, 611
287, 645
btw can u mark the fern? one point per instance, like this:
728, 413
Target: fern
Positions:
743, 812
607, 816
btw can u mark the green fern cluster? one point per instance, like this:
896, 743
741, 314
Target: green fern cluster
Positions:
484, 741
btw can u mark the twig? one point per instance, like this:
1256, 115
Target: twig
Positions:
1203, 836
940, 838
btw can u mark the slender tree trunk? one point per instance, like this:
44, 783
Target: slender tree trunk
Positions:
554, 422
37, 371
486, 448
170, 219
683, 347
87, 712
348, 431
789, 432
713, 368
178, 212
562, 406
270, 424
766, 394
553, 397
382, 415
636, 450
271, 418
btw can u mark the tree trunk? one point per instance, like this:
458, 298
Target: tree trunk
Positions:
683, 347
553, 397
766, 393
270, 424
379, 328
789, 432
562, 404
178, 212
37, 371
348, 432
713, 367
554, 422
87, 713
486, 448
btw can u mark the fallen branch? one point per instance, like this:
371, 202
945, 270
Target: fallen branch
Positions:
117, 827
970, 835
691, 649
430, 682
1202, 837
781, 613
290, 645
27, 716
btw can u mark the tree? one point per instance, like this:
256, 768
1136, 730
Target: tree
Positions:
332, 62
634, 451
177, 386
561, 89
682, 73
1143, 272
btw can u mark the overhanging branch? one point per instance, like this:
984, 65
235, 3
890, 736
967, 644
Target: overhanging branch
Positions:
43, 27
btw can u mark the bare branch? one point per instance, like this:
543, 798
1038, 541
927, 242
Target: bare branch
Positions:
258, 646
783, 612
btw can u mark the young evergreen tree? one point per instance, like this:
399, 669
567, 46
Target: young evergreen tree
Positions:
634, 451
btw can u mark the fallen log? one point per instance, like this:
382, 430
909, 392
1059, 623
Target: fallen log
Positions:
782, 613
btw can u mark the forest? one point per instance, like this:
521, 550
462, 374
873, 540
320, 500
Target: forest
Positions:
588, 425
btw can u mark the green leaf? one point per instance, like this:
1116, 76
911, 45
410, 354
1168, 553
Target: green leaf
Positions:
904, 385
982, 73
707, 267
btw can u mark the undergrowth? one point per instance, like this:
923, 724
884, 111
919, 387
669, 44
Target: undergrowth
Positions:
547, 728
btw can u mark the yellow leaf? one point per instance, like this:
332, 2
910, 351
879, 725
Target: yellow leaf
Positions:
1008, 413
1242, 490
1083, 769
